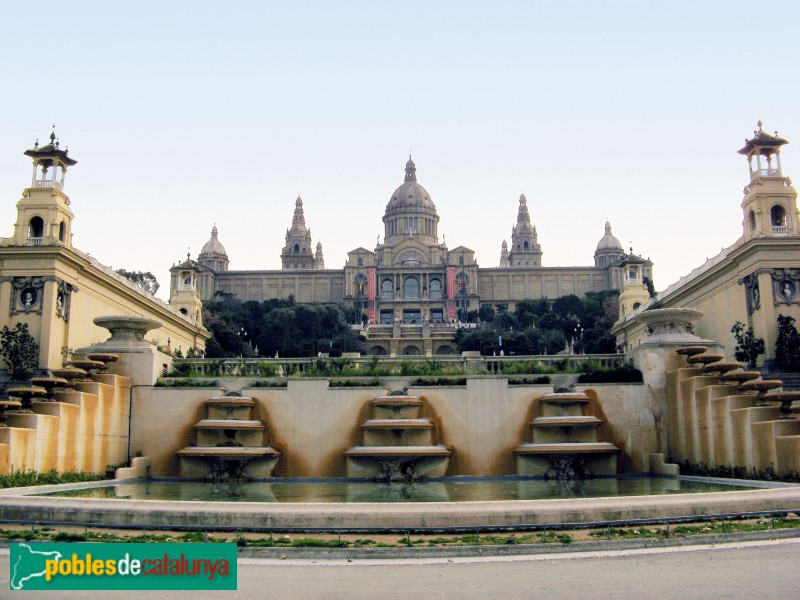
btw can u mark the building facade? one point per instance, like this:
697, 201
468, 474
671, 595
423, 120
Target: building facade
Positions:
411, 292
754, 280
57, 290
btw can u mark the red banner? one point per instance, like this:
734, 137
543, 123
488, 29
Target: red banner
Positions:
451, 283
451, 293
371, 293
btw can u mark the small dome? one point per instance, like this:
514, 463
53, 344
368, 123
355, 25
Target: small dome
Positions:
608, 241
213, 246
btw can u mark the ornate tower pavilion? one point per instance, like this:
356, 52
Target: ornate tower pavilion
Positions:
43, 214
297, 253
770, 201
184, 296
525, 248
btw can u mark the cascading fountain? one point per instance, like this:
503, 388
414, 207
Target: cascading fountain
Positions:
398, 443
230, 443
564, 441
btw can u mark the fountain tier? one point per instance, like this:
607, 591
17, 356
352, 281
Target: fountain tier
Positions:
398, 443
230, 444
564, 441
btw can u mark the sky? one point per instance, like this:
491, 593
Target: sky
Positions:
183, 115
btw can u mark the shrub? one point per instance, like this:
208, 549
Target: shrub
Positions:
19, 350
268, 384
528, 380
428, 381
187, 383
787, 346
598, 374
748, 346
180, 369
372, 382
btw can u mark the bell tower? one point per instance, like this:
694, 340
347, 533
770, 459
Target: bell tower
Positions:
183, 291
770, 201
634, 291
297, 253
43, 214
525, 248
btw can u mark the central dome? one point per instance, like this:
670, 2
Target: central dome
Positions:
410, 212
410, 196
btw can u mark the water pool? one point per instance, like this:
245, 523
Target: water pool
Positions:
445, 489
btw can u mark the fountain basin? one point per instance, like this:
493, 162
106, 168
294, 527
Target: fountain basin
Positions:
137, 512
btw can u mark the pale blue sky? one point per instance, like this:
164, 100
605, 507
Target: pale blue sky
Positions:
192, 113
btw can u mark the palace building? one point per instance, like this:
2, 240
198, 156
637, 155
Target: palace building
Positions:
411, 291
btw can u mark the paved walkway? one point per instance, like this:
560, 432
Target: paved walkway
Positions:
764, 569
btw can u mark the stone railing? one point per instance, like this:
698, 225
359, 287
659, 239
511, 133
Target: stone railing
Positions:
476, 365
777, 230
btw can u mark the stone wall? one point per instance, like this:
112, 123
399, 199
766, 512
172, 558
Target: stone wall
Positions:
313, 425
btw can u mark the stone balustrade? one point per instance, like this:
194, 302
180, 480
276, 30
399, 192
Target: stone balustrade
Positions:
490, 365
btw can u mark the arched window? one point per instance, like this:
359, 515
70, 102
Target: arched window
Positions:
778, 216
460, 260
360, 262
436, 289
752, 221
387, 289
525, 246
411, 287
62, 231
36, 228
296, 248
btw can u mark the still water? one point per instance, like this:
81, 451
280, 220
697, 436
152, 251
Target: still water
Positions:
446, 489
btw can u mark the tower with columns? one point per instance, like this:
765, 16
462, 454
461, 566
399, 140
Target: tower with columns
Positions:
770, 201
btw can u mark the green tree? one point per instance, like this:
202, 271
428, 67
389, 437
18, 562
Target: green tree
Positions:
19, 350
787, 346
486, 313
530, 312
144, 278
748, 346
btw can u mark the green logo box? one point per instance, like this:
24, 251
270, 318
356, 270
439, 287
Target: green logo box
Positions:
120, 566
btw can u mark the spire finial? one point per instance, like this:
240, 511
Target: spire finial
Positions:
411, 170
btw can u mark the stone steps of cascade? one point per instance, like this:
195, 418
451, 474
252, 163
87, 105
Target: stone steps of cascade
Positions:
397, 424
229, 401
567, 421
228, 451
565, 398
568, 448
229, 424
390, 451
396, 401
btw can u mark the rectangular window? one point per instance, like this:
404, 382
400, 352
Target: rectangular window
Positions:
412, 316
